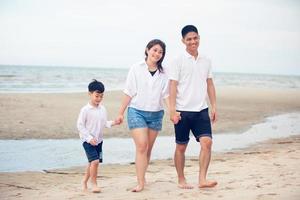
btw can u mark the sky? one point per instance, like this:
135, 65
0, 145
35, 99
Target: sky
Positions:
258, 36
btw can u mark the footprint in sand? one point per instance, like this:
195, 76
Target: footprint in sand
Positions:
225, 172
263, 196
219, 160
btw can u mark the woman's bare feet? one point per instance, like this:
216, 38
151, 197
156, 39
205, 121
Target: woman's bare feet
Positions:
138, 188
96, 189
208, 184
84, 186
184, 185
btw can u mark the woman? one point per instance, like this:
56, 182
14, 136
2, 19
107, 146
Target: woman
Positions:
146, 88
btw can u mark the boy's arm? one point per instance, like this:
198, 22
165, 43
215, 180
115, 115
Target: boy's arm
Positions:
110, 123
212, 99
83, 132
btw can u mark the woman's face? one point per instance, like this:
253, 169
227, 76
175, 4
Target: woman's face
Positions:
155, 53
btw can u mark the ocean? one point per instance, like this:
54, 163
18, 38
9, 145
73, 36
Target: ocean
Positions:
54, 79
68, 152
65, 153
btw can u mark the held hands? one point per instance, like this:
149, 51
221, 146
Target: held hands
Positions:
119, 120
175, 117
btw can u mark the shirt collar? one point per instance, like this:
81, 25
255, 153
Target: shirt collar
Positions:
187, 54
90, 106
190, 56
144, 64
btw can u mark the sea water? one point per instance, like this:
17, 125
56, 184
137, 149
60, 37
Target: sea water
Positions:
46, 154
35, 79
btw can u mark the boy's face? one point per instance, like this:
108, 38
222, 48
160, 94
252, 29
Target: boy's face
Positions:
191, 41
96, 98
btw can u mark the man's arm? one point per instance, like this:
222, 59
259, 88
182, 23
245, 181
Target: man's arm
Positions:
212, 99
174, 116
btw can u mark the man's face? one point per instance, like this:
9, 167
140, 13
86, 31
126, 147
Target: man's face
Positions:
191, 41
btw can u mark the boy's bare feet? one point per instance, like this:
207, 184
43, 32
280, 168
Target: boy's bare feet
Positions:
138, 188
184, 185
96, 189
208, 184
84, 186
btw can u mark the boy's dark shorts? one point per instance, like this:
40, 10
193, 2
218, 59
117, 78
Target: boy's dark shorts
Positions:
93, 152
197, 122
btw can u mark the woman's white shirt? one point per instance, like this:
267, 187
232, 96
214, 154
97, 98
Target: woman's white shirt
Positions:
147, 91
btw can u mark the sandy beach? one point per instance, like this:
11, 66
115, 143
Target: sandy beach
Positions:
267, 170
25, 116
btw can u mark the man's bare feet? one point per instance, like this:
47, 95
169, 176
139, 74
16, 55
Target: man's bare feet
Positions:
208, 184
138, 188
184, 185
96, 189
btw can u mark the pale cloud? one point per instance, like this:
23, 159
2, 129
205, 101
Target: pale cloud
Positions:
242, 36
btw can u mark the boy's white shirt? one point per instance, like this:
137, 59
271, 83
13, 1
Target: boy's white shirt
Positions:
147, 91
91, 122
191, 75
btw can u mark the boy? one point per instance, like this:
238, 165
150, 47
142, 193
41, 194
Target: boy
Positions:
91, 122
191, 82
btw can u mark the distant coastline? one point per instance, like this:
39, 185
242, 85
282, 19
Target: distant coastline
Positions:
56, 79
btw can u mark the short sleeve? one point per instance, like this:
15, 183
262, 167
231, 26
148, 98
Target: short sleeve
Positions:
209, 72
165, 91
173, 70
131, 86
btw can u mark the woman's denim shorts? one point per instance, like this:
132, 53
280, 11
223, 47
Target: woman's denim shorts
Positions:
144, 119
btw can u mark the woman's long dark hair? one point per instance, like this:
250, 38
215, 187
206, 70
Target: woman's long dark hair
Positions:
163, 46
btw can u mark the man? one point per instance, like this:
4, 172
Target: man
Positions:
190, 83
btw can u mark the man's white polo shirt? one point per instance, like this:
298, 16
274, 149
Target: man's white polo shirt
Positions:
91, 122
191, 75
147, 91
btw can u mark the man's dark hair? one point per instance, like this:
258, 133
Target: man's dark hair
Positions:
96, 86
188, 28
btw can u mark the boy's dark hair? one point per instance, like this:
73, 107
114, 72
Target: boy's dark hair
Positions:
188, 28
163, 46
96, 86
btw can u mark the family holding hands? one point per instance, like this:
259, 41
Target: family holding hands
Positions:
183, 89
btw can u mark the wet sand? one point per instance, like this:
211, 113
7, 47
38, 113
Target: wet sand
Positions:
267, 170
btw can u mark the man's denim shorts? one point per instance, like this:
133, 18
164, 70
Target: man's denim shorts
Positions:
144, 119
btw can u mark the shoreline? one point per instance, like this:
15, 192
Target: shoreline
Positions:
267, 170
66, 153
54, 115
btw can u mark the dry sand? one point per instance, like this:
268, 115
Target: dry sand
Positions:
267, 170
54, 115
